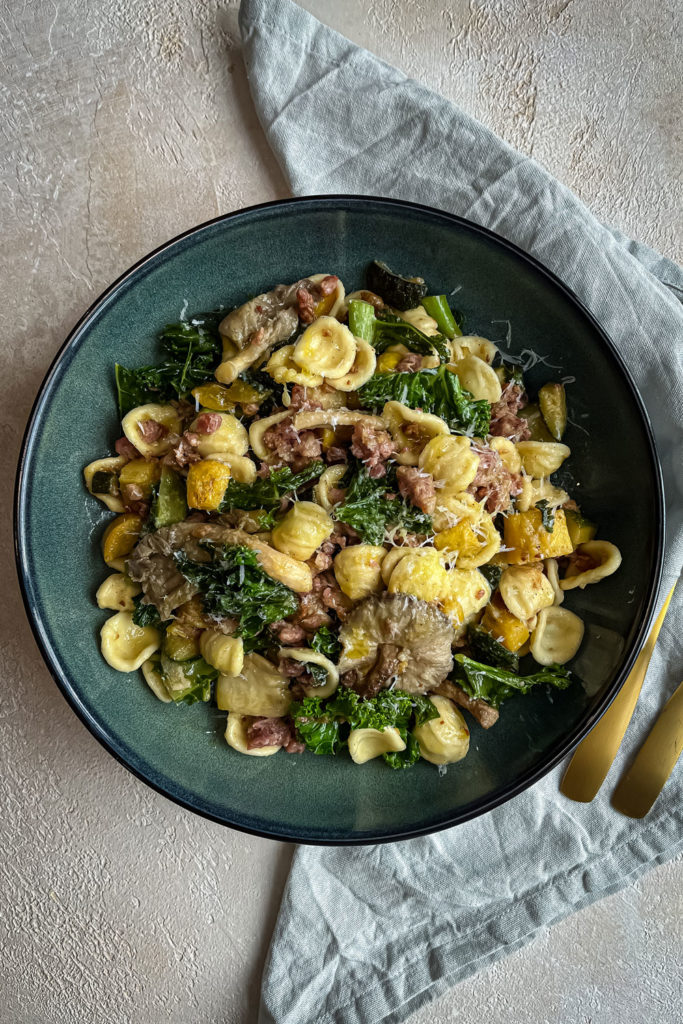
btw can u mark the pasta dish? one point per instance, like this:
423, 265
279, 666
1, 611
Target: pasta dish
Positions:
337, 516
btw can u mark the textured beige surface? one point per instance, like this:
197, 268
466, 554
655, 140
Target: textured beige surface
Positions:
122, 124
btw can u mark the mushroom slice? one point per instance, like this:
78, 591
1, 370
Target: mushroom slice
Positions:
401, 633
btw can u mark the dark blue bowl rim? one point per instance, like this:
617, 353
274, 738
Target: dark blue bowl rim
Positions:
99, 730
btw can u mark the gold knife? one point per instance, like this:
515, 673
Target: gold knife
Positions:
594, 756
643, 782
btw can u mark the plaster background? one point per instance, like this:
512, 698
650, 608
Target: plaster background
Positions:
123, 124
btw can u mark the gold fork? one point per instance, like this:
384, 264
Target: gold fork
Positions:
594, 756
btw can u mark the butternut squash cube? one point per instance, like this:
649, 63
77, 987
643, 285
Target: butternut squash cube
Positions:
525, 533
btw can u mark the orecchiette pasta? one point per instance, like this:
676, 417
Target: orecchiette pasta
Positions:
150, 428
358, 570
451, 461
557, 636
553, 574
452, 508
236, 737
477, 377
601, 558
362, 369
326, 348
541, 458
302, 530
154, 679
421, 573
260, 427
467, 593
473, 345
411, 430
225, 653
110, 468
446, 739
525, 590
117, 592
365, 744
534, 491
242, 469
230, 436
509, 455
327, 480
420, 318
307, 656
284, 370
126, 646
258, 690
392, 556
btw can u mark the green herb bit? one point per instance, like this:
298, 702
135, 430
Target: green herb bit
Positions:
326, 642
316, 726
145, 614
547, 515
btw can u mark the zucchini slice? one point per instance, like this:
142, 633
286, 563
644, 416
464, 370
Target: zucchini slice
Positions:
397, 290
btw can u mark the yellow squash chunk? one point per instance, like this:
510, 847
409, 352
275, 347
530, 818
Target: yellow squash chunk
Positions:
472, 544
221, 399
503, 625
531, 542
142, 473
389, 360
120, 537
206, 484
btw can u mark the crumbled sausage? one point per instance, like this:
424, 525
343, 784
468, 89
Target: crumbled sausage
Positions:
493, 482
373, 446
208, 423
272, 732
183, 450
151, 431
410, 363
303, 400
417, 487
306, 304
288, 633
125, 449
504, 419
290, 446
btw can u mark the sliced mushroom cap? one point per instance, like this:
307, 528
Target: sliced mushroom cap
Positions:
422, 634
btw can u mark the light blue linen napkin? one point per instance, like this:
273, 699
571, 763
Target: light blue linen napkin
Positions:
369, 934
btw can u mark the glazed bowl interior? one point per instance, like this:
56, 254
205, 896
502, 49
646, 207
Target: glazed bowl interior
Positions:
504, 296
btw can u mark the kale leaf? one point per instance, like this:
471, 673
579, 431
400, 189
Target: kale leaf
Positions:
434, 391
494, 685
326, 642
398, 759
233, 584
315, 726
492, 574
267, 493
547, 515
367, 509
390, 329
145, 614
192, 350
187, 681
486, 646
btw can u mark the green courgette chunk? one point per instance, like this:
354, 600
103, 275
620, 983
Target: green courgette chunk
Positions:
396, 290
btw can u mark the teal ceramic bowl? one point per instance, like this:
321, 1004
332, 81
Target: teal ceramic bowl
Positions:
180, 751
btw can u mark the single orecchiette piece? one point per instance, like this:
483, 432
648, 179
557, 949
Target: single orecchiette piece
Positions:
302, 530
126, 646
452, 508
446, 739
307, 656
390, 559
364, 744
149, 428
229, 437
259, 690
411, 430
557, 636
361, 371
155, 680
509, 455
236, 737
283, 369
553, 574
470, 543
327, 480
451, 462
473, 345
420, 318
242, 469
335, 302
226, 653
525, 590
534, 491
260, 427
336, 418
602, 559
358, 570
420, 573
111, 467
466, 594
117, 592
477, 377
541, 458
326, 347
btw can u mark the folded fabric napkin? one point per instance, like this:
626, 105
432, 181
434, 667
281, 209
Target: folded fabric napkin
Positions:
369, 934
